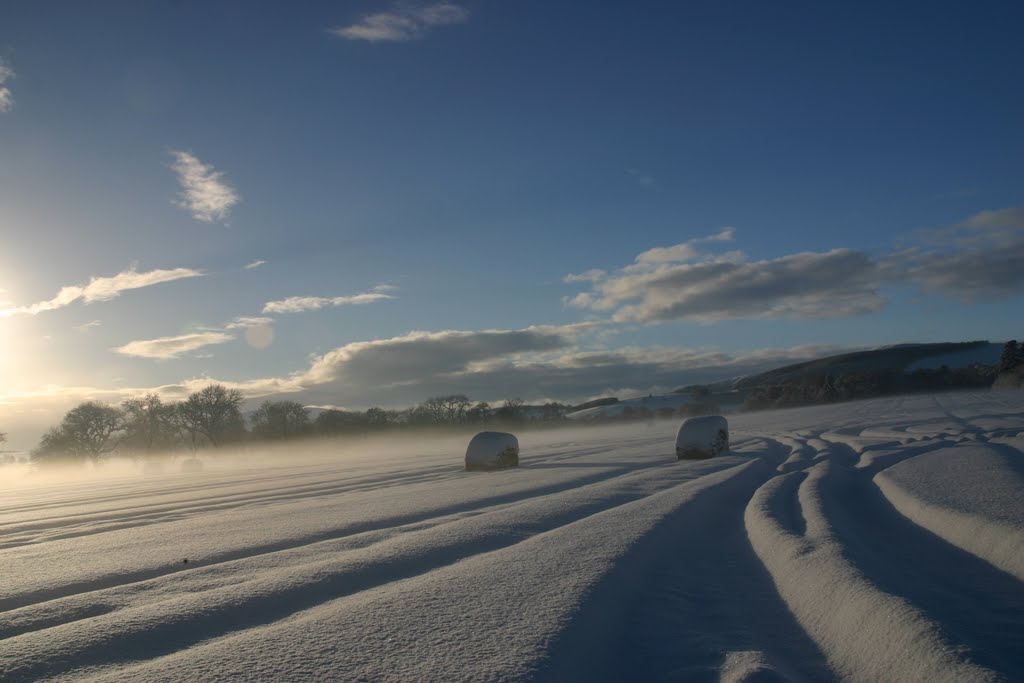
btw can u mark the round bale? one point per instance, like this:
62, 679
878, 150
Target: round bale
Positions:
492, 451
702, 437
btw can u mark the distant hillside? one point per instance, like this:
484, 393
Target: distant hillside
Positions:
904, 357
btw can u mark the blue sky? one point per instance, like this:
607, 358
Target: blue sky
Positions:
550, 200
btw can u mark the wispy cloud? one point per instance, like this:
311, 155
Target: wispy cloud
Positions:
244, 322
255, 264
103, 289
681, 253
403, 22
6, 97
204, 192
85, 327
641, 178
298, 304
166, 348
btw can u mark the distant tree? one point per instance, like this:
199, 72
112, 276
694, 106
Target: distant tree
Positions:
829, 392
280, 420
86, 432
513, 410
378, 417
1011, 356
449, 409
332, 422
149, 424
214, 412
418, 416
553, 412
480, 413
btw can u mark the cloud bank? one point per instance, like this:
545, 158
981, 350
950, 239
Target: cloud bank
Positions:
404, 22
976, 259
681, 282
981, 258
204, 193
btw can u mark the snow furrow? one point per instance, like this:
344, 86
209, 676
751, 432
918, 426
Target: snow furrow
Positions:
940, 492
866, 633
670, 611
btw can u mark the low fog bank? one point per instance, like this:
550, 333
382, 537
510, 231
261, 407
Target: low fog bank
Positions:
430, 446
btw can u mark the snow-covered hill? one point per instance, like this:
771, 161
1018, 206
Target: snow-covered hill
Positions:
878, 540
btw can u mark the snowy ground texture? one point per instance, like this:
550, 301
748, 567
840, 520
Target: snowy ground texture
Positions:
872, 541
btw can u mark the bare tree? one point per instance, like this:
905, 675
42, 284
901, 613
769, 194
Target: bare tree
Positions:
449, 409
213, 412
149, 423
377, 417
513, 410
280, 420
86, 432
480, 413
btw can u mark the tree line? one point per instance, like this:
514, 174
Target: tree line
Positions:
212, 418
867, 383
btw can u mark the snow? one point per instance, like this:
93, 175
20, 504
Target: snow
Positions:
877, 540
968, 494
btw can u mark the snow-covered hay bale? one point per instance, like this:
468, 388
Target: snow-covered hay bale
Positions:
492, 451
192, 465
702, 437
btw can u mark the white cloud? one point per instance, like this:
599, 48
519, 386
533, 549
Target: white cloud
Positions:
244, 322
403, 22
592, 275
204, 193
683, 282
171, 347
6, 97
298, 304
103, 289
680, 253
255, 264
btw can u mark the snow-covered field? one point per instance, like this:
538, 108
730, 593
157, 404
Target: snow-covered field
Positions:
880, 540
